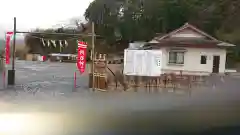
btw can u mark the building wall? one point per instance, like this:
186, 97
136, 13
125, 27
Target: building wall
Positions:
192, 60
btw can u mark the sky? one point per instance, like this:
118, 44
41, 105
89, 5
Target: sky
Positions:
32, 14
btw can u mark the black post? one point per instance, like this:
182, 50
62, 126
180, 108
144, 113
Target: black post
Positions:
14, 44
11, 73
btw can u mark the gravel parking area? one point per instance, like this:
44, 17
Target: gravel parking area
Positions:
44, 80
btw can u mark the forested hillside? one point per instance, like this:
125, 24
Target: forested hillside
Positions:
119, 22
130, 20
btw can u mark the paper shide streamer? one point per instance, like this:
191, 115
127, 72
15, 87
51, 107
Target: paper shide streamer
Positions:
62, 43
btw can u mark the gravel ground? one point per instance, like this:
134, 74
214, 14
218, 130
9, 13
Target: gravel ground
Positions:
47, 87
45, 80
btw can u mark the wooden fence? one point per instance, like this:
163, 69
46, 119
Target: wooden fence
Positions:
164, 81
107, 80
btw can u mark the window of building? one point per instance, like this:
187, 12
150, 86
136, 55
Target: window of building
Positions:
203, 59
176, 57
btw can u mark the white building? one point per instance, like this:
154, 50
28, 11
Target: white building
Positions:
189, 50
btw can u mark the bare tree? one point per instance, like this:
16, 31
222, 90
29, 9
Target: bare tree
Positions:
78, 24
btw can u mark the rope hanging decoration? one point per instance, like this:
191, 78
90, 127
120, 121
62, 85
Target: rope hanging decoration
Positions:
54, 42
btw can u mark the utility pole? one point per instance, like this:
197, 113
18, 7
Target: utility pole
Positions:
93, 56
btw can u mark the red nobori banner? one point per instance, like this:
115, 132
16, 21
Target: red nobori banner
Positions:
81, 58
7, 47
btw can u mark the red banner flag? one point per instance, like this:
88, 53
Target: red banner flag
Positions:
7, 47
81, 58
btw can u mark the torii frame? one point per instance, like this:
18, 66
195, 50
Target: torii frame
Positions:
11, 73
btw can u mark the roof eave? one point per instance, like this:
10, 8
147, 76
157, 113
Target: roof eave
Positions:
226, 44
184, 27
